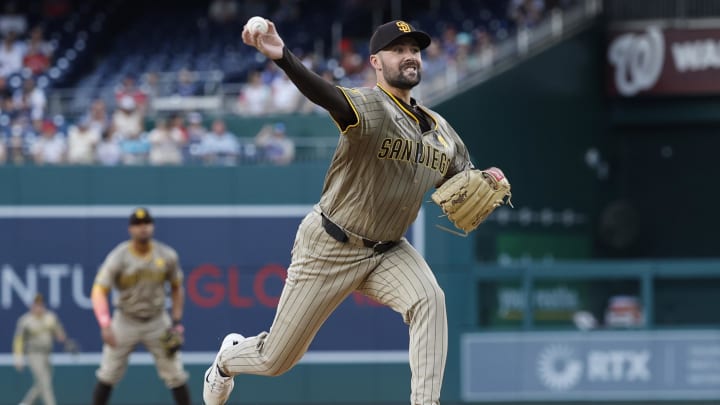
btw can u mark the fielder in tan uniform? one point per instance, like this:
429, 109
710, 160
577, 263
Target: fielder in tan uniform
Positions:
139, 270
33, 341
391, 152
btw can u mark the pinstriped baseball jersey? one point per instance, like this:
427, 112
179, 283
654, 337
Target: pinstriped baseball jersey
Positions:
35, 333
384, 164
140, 280
38, 332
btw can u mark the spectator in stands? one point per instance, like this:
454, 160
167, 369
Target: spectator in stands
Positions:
32, 129
435, 64
98, 117
82, 142
50, 148
195, 133
254, 98
30, 100
274, 145
483, 53
462, 60
128, 87
351, 61
11, 20
270, 72
16, 145
127, 119
187, 85
135, 148
449, 41
36, 60
11, 55
177, 124
219, 146
526, 13
151, 85
286, 97
165, 144
195, 129
108, 152
37, 39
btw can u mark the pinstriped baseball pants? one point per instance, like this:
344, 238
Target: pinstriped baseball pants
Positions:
323, 272
41, 370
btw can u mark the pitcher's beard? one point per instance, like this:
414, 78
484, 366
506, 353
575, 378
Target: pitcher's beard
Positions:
400, 81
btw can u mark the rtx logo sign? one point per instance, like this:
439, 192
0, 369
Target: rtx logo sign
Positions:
618, 365
562, 368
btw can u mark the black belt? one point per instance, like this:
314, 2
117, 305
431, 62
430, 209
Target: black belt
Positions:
139, 318
339, 235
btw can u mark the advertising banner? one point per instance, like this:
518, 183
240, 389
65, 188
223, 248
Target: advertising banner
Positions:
591, 366
234, 261
663, 61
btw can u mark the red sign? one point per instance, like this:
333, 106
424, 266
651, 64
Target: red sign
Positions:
657, 61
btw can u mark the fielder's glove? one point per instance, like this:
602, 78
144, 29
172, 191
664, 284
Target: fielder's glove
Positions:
173, 339
470, 196
71, 346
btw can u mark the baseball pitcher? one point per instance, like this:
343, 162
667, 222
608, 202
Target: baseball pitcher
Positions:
391, 151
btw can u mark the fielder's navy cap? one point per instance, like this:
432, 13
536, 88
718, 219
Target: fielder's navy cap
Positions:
387, 33
141, 216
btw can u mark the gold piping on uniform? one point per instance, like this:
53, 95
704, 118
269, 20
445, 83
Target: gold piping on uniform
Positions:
352, 105
427, 112
399, 104
408, 112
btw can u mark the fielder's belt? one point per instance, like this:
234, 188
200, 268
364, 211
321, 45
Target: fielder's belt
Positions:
340, 235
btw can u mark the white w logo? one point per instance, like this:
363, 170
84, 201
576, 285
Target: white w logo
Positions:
638, 60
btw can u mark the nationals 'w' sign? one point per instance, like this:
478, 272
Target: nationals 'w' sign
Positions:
663, 61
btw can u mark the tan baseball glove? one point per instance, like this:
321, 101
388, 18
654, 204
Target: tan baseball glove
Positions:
470, 196
173, 340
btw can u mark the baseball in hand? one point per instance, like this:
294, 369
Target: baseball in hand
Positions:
257, 24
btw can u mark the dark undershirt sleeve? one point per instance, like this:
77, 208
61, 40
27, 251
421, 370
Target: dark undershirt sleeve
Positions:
317, 89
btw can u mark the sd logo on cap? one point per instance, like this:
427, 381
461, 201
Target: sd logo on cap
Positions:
141, 216
387, 33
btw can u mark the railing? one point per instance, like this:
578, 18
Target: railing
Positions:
306, 149
645, 277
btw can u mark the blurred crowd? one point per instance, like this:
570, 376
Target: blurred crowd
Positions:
125, 136
128, 130
119, 138
268, 91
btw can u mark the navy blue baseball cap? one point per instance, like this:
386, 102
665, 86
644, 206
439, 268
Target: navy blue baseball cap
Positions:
141, 216
387, 33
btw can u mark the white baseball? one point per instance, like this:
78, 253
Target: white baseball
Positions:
257, 24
